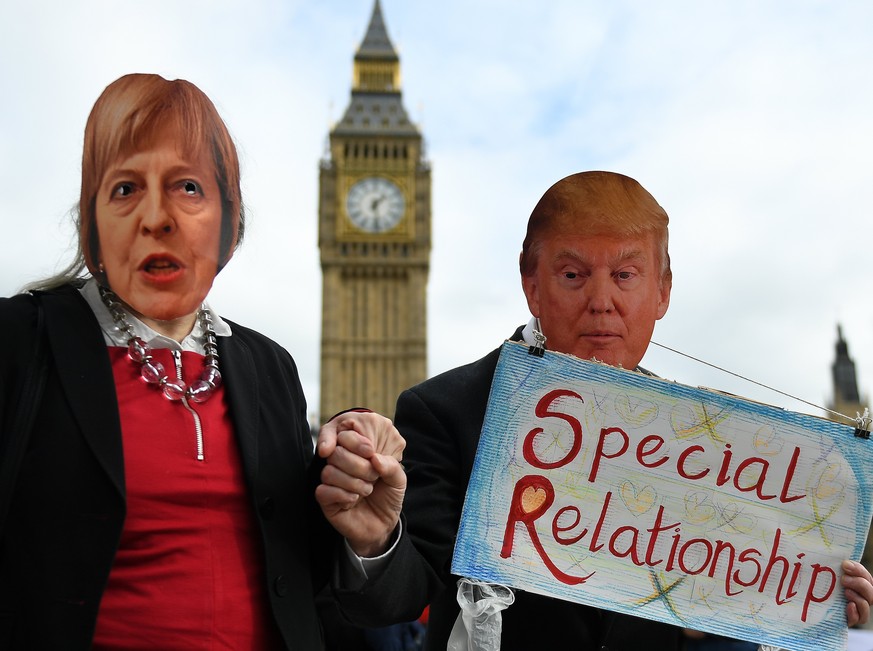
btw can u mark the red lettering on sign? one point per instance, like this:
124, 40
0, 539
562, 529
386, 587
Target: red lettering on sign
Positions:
542, 410
811, 597
533, 495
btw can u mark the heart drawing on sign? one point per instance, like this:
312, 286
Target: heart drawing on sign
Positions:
767, 442
830, 485
532, 498
637, 412
638, 501
691, 421
698, 508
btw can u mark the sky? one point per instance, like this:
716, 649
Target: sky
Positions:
749, 121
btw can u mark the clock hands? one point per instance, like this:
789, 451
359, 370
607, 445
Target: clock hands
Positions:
375, 204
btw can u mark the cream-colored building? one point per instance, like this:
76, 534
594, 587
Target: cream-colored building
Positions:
374, 237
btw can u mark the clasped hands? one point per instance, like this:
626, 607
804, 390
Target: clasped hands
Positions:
363, 482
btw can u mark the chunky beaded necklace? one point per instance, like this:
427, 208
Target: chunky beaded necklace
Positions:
152, 372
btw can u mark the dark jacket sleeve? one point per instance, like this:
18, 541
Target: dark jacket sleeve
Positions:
440, 420
66, 513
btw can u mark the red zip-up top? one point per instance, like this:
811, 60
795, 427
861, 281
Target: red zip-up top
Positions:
188, 573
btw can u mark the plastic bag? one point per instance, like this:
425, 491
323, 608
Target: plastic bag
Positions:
480, 621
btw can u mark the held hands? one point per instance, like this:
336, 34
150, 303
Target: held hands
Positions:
363, 483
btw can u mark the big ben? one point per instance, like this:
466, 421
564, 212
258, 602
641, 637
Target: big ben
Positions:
374, 238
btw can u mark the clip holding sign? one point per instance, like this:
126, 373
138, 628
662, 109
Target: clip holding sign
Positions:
862, 424
538, 349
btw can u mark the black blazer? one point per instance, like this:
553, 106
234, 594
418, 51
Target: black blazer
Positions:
68, 506
441, 420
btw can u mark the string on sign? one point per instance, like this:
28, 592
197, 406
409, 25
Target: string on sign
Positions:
862, 421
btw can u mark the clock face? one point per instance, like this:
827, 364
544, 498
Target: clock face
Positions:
375, 204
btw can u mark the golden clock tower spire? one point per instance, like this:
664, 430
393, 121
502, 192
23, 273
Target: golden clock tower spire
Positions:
374, 237
377, 66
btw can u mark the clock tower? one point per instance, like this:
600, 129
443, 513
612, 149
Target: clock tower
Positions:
374, 237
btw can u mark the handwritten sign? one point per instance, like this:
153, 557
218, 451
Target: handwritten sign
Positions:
635, 494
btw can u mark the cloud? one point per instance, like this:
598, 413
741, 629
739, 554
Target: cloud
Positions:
748, 121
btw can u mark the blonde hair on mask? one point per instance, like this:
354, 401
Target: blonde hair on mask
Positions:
596, 203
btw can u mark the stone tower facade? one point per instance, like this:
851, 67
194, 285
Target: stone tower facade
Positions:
374, 239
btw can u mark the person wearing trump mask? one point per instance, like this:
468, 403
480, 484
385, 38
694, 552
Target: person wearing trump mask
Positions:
595, 271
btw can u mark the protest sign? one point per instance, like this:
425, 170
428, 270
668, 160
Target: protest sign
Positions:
631, 493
